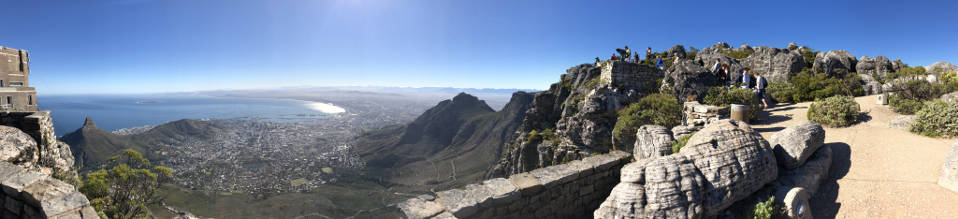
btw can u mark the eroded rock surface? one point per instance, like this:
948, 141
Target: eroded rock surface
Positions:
18, 148
723, 163
688, 78
949, 170
793, 145
774, 63
652, 141
836, 59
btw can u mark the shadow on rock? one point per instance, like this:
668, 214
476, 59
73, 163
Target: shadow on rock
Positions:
823, 204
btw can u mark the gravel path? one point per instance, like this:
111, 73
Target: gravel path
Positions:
878, 171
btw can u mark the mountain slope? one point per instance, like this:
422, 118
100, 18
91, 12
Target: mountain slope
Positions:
451, 144
93, 146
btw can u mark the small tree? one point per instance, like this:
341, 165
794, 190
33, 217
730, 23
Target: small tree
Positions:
128, 188
655, 109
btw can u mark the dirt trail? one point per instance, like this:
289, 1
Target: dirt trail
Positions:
878, 171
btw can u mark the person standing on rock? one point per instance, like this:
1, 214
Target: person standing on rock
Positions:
648, 53
760, 84
725, 75
659, 65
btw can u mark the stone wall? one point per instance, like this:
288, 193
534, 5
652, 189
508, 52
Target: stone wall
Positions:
623, 74
55, 155
28, 194
697, 114
571, 190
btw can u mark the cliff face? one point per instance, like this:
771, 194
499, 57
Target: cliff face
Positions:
575, 117
453, 143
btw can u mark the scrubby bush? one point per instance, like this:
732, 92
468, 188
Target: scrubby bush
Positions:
837, 111
903, 105
764, 210
921, 90
655, 109
809, 85
937, 119
809, 55
912, 95
782, 92
722, 96
912, 71
679, 143
738, 53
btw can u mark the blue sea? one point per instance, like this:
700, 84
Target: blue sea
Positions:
112, 112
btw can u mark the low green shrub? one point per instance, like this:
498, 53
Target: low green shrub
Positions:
764, 210
921, 90
937, 119
781, 92
808, 85
837, 111
912, 71
903, 105
655, 109
679, 143
723, 96
738, 53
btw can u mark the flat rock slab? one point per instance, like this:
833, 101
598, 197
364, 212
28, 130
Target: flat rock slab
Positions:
949, 170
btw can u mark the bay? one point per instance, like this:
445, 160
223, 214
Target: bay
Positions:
112, 112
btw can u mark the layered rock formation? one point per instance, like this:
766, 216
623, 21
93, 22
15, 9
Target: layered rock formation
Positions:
795, 144
720, 164
836, 59
690, 79
941, 67
652, 141
774, 63
580, 111
879, 66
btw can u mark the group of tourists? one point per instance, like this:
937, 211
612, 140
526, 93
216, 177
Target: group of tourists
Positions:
746, 81
756, 82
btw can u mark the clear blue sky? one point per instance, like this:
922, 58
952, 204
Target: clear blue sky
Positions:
139, 46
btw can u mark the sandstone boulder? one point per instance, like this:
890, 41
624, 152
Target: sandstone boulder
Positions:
879, 66
652, 141
721, 164
794, 202
773, 63
795, 144
708, 56
949, 170
682, 130
811, 175
950, 97
675, 50
902, 122
941, 67
835, 59
870, 85
18, 148
687, 78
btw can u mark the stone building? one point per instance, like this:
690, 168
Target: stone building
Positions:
15, 91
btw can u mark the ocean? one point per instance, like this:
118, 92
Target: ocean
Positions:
112, 112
